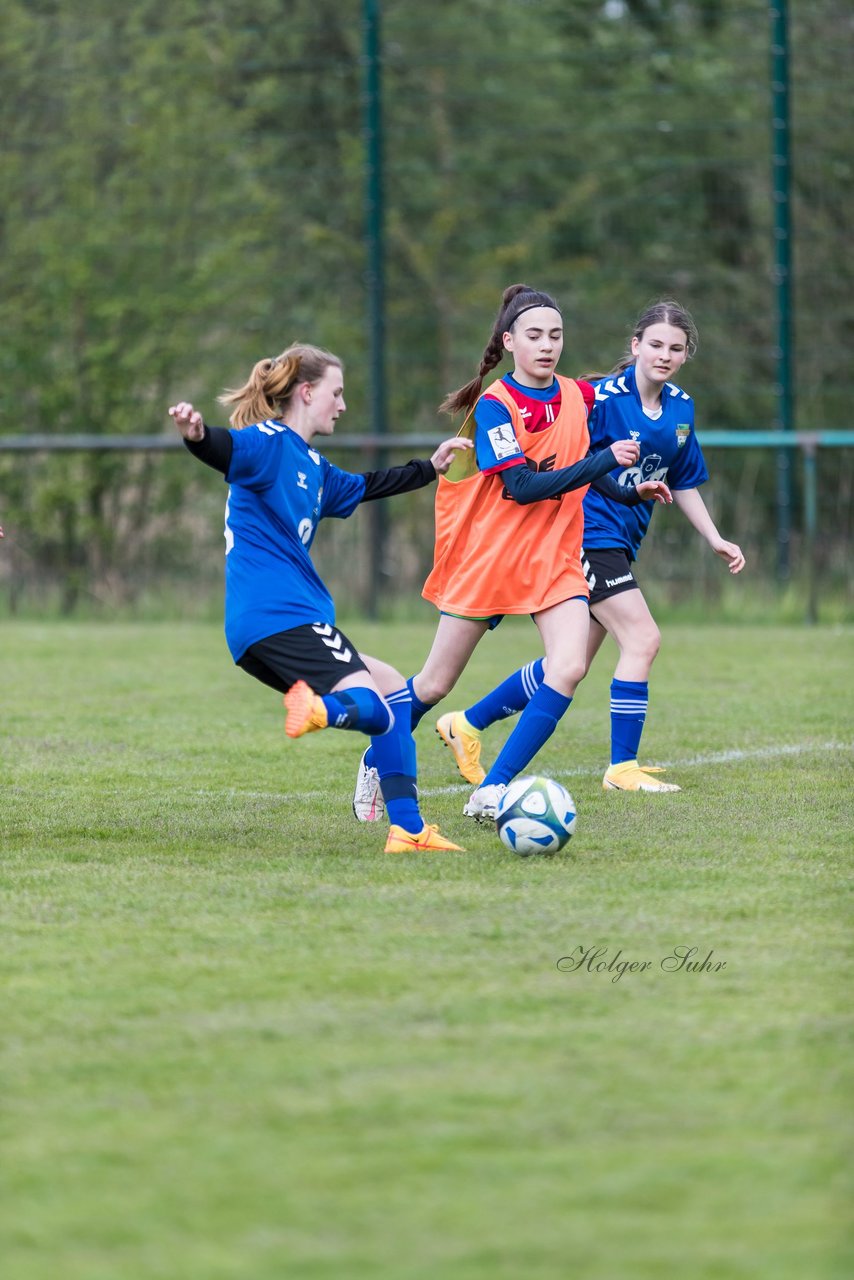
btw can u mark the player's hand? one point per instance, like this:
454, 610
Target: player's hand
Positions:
654, 491
188, 421
733, 555
447, 451
626, 452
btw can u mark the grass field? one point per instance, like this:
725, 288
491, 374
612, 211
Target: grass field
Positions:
239, 1041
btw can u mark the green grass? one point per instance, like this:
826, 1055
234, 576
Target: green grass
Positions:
239, 1041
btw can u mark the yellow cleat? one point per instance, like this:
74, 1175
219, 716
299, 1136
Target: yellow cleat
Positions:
305, 710
427, 840
629, 776
456, 733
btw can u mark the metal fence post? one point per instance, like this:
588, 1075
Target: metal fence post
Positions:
780, 172
810, 525
375, 281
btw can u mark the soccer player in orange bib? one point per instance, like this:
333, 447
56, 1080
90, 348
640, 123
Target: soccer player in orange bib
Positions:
638, 398
509, 531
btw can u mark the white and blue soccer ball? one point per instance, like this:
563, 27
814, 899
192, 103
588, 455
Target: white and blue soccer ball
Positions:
535, 815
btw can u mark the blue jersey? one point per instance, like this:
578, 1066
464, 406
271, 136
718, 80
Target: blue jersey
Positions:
669, 451
279, 490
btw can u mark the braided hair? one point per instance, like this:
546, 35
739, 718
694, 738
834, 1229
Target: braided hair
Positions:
516, 299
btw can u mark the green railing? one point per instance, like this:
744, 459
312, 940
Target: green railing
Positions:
809, 443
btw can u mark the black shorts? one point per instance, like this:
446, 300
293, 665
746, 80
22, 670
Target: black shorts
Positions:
316, 652
608, 571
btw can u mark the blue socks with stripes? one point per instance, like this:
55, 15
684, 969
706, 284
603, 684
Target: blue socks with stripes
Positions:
512, 695
629, 699
356, 708
392, 754
392, 749
419, 708
536, 725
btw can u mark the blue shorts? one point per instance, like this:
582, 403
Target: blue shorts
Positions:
492, 620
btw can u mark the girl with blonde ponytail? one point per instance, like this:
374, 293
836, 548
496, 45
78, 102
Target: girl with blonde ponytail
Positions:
272, 381
508, 533
279, 615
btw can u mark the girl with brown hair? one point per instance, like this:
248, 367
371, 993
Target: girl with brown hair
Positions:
637, 398
508, 531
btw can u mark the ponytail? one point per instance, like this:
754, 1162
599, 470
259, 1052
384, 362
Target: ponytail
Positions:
273, 381
515, 299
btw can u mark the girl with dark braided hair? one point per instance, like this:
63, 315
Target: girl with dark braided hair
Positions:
637, 396
508, 530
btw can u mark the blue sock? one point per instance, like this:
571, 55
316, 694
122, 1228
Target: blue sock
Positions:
512, 695
417, 712
356, 708
536, 725
393, 756
628, 711
419, 708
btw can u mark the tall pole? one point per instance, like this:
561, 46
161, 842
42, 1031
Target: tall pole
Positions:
781, 181
375, 281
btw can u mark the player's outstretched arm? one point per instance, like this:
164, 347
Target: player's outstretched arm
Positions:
525, 486
188, 420
211, 445
691, 504
447, 451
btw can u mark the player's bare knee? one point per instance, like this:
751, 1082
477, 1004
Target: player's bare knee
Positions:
650, 643
432, 689
642, 645
565, 677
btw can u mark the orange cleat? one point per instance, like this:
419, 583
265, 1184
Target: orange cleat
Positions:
305, 710
456, 733
629, 776
427, 840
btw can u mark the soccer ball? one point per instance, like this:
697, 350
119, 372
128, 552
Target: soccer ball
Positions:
535, 815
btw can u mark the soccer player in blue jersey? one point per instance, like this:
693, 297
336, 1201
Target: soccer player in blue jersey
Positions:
638, 399
279, 615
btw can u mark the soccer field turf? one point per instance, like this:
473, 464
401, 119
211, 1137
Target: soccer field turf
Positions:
239, 1041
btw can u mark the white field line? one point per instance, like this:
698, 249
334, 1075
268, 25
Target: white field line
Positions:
735, 756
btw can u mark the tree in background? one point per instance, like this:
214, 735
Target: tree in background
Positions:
183, 182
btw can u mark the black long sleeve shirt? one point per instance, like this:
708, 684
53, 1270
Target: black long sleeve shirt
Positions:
525, 485
215, 449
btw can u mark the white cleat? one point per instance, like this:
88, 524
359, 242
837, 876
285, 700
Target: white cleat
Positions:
368, 803
483, 803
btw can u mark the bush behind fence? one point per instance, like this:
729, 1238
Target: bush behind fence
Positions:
123, 535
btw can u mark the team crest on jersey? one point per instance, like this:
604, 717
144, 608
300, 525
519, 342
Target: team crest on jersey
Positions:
503, 441
682, 433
